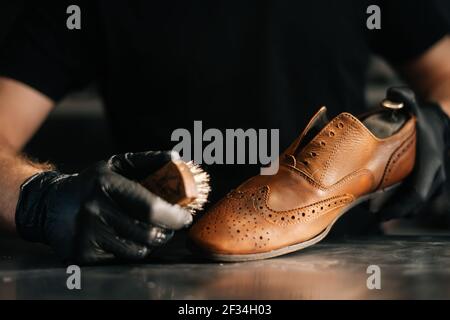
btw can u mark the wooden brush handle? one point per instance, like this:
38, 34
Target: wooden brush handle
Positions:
174, 183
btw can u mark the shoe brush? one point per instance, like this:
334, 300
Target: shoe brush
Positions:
182, 183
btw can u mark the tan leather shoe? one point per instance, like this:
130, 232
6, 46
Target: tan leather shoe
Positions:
326, 171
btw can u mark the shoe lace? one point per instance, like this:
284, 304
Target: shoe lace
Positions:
304, 157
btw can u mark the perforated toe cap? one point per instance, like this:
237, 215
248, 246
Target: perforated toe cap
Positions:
236, 225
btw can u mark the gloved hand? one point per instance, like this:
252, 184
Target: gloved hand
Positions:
433, 130
102, 213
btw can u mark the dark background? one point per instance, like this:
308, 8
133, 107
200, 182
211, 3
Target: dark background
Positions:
76, 133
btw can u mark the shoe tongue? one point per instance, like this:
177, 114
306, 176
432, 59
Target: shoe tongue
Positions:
317, 123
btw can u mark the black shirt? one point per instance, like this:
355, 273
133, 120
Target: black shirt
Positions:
160, 65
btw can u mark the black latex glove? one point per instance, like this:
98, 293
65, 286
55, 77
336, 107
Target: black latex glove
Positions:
101, 213
432, 149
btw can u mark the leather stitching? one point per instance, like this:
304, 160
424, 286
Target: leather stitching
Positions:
352, 175
300, 208
306, 213
336, 145
333, 186
323, 132
403, 147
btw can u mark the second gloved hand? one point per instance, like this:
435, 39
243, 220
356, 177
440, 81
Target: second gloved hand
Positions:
428, 176
102, 213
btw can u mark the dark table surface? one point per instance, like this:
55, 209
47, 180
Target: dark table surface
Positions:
411, 268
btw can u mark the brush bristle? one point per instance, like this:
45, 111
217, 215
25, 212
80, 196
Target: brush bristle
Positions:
201, 179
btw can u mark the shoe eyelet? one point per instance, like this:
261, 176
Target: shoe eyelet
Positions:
305, 162
340, 125
322, 143
331, 134
313, 154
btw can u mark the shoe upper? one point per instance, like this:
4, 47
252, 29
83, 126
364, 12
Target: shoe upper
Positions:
318, 180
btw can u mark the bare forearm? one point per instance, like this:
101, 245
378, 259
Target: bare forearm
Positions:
441, 94
22, 111
14, 170
429, 75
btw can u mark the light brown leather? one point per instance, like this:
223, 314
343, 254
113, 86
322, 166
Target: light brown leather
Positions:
312, 188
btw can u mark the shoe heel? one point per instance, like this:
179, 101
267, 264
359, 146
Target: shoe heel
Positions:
379, 198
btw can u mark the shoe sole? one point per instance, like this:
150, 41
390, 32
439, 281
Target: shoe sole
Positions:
379, 197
